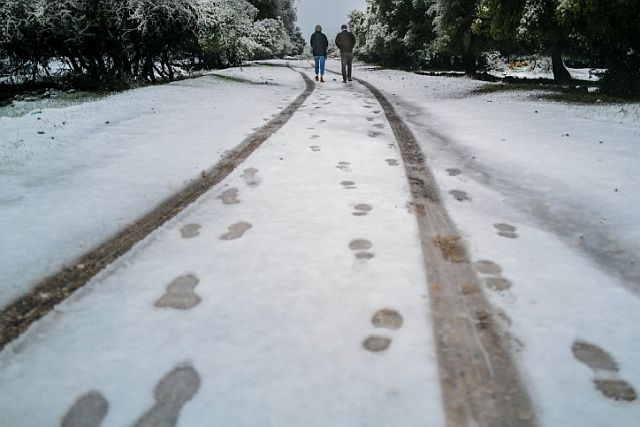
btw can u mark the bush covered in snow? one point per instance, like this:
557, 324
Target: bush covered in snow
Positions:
415, 33
123, 40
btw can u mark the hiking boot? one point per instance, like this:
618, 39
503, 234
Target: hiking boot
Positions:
316, 78
350, 79
344, 81
321, 79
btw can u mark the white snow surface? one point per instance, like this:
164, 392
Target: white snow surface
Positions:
101, 165
277, 337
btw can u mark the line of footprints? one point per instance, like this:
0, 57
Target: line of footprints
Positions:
179, 386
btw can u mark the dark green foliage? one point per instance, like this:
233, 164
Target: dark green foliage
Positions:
608, 30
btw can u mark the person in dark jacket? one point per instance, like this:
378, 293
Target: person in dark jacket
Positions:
345, 40
319, 45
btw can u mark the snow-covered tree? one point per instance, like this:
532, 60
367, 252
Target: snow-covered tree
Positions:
393, 32
453, 20
120, 40
610, 32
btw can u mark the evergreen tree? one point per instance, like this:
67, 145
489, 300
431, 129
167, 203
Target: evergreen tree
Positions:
608, 30
393, 32
541, 26
113, 41
453, 20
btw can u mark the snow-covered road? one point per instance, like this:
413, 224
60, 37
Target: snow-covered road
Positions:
294, 292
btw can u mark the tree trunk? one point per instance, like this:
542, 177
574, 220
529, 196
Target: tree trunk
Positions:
165, 59
560, 73
469, 60
469, 63
74, 64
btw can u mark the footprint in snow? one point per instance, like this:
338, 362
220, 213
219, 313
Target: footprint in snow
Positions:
314, 137
344, 166
361, 247
498, 284
180, 294
605, 370
506, 230
460, 195
374, 134
250, 177
315, 148
488, 267
385, 318
392, 162
236, 231
171, 394
454, 172
379, 126
229, 197
190, 231
348, 185
88, 411
362, 209
494, 279
376, 343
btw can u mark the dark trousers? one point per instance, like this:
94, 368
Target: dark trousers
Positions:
347, 64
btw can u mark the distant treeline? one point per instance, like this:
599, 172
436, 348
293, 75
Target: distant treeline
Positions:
119, 41
436, 33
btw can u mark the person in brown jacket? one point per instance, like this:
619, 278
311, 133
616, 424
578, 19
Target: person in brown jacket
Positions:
345, 40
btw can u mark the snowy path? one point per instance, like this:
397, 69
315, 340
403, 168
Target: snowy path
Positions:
294, 292
273, 297
72, 177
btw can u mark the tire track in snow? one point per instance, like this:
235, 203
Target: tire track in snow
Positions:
19, 315
481, 385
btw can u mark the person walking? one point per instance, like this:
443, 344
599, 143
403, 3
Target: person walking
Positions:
345, 40
319, 45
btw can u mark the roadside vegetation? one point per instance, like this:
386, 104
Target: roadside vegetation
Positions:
116, 43
459, 34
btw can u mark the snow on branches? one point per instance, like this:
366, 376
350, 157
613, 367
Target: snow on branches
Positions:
115, 40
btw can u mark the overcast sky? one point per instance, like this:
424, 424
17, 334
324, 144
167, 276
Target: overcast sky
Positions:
331, 14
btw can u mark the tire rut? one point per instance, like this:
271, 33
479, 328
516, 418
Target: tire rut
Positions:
481, 385
20, 314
